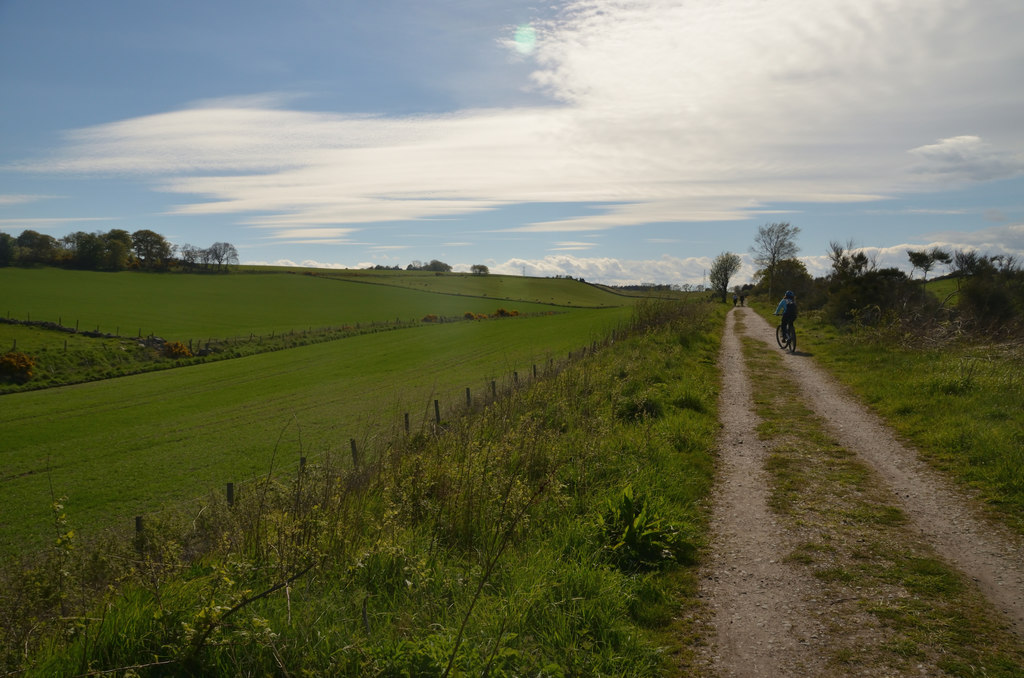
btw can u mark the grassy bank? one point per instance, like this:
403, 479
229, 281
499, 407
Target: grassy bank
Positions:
551, 534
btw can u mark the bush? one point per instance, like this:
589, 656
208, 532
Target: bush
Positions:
872, 297
17, 366
176, 349
430, 318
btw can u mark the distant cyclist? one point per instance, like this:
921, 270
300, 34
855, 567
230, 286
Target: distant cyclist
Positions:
787, 308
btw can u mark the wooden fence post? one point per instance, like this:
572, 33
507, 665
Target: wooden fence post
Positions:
406, 423
469, 398
139, 543
437, 412
355, 453
231, 494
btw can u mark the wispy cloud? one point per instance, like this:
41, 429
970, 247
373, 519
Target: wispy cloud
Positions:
661, 111
22, 199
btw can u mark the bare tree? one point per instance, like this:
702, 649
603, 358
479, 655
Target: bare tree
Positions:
223, 254
774, 243
723, 267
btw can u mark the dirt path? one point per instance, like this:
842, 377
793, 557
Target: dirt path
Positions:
762, 627
768, 618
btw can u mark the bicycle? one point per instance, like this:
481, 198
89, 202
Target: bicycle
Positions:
790, 342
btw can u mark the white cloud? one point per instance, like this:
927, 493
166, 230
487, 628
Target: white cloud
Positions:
664, 111
44, 223
967, 158
22, 199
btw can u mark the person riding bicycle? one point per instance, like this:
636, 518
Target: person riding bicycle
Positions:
787, 308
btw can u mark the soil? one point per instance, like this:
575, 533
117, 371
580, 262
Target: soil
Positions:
768, 617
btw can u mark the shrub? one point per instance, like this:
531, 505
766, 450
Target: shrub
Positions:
430, 318
176, 349
505, 313
17, 366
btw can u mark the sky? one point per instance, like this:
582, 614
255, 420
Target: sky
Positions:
621, 141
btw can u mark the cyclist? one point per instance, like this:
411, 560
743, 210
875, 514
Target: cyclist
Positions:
787, 308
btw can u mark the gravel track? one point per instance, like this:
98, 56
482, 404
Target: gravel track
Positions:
764, 614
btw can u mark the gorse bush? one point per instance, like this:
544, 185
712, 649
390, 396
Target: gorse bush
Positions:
176, 349
17, 367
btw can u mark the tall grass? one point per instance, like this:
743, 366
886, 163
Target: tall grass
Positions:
495, 544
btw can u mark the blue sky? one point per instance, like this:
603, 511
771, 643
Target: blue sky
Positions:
623, 141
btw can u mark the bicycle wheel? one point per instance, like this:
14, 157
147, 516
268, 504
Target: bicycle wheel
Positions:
792, 340
778, 337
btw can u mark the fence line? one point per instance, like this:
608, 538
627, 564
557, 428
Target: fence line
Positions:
361, 457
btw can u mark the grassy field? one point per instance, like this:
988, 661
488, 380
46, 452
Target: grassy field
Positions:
186, 306
560, 292
177, 433
123, 446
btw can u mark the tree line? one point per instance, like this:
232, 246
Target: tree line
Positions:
114, 250
988, 299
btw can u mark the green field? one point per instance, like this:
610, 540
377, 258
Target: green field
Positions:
184, 306
120, 447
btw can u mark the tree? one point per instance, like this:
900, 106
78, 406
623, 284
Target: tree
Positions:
6, 249
223, 254
152, 250
847, 264
790, 274
86, 250
189, 255
479, 269
774, 243
119, 249
926, 260
723, 267
438, 266
36, 248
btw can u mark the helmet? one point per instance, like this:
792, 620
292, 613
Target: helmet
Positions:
789, 294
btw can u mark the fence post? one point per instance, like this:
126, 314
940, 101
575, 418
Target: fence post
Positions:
494, 389
302, 464
515, 378
231, 494
355, 453
139, 543
406, 423
437, 412
535, 371
469, 398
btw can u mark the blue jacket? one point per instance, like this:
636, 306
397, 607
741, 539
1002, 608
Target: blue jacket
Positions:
783, 306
